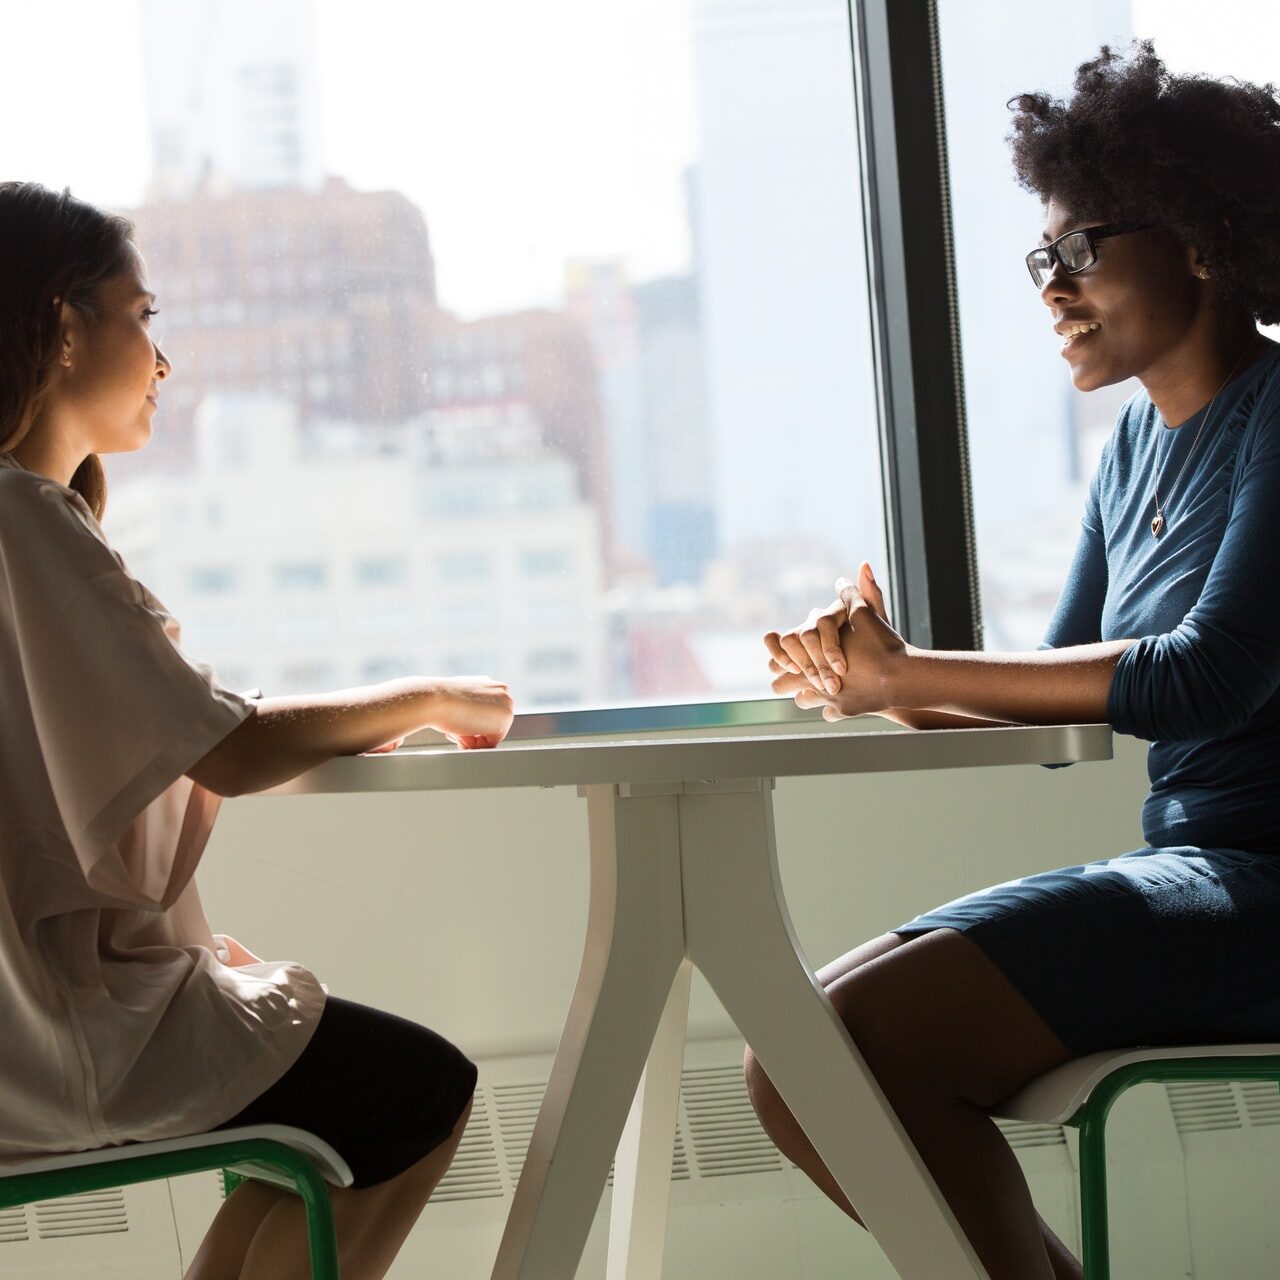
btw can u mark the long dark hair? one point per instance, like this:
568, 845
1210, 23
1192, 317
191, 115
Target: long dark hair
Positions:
51, 246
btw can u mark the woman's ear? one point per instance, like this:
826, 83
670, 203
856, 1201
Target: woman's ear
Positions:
68, 322
1198, 264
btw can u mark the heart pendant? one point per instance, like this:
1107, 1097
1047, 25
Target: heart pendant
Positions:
1156, 525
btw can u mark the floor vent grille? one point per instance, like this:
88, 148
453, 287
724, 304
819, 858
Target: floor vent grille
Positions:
1261, 1102
679, 1160
1020, 1134
96, 1214
13, 1224
517, 1109
717, 1134
1198, 1106
474, 1173
726, 1136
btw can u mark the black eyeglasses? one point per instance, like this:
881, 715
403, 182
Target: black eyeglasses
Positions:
1075, 250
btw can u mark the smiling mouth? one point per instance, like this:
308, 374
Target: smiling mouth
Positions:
1077, 336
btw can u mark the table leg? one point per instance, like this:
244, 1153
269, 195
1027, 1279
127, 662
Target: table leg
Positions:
642, 1170
633, 951
739, 934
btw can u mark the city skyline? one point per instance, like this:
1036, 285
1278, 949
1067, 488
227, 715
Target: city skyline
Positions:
61, 144
668, 349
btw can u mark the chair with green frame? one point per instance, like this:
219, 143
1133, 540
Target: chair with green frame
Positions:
1081, 1093
279, 1155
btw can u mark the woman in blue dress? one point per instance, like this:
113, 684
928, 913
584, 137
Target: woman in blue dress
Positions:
1160, 257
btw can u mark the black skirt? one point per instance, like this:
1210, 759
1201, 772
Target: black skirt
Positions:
381, 1090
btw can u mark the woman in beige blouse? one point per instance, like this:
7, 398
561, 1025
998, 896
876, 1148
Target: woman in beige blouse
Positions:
125, 1017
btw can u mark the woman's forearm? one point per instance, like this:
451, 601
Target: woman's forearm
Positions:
288, 735
1047, 686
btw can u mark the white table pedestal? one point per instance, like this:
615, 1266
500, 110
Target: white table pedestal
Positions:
686, 874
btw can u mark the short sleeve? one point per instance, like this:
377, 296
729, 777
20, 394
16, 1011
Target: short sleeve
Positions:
113, 712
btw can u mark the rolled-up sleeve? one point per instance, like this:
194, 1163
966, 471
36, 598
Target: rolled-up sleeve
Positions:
1221, 664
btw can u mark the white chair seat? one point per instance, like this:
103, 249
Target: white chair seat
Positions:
1056, 1096
333, 1168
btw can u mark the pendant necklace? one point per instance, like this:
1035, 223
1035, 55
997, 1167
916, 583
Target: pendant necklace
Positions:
1157, 525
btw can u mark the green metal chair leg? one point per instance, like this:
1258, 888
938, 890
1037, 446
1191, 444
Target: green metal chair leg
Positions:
294, 1172
322, 1236
1095, 1245
263, 1160
1091, 1120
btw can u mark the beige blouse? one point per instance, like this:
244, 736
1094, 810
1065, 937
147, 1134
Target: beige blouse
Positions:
119, 1021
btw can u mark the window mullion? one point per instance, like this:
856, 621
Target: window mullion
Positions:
933, 569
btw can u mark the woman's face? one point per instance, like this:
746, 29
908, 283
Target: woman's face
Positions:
109, 389
1142, 292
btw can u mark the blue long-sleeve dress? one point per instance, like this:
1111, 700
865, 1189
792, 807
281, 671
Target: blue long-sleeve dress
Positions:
1175, 943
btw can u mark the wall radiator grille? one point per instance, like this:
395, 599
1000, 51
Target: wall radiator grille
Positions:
1203, 1105
717, 1135
98, 1213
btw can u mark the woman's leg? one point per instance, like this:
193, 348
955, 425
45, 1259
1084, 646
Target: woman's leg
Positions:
222, 1251
371, 1222
947, 1037
364, 1083
270, 1224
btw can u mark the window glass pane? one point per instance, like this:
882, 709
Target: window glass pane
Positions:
302, 576
206, 580
545, 562
1034, 440
381, 571
596, 343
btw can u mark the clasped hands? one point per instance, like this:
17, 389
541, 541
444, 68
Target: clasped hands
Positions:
843, 658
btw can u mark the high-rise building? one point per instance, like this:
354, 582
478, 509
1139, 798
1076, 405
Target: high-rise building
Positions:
598, 297
327, 298
463, 546
680, 525
233, 95
538, 358
778, 216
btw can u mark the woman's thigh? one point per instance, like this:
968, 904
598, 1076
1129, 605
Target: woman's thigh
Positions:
933, 1011
382, 1090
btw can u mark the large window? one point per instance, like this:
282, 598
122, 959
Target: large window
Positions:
525, 338
542, 340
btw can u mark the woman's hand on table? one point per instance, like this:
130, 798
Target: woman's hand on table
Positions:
842, 657
473, 712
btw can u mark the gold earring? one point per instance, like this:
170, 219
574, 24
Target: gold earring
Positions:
1203, 273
